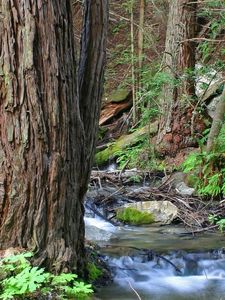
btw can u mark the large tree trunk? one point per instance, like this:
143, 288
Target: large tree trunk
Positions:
43, 143
179, 57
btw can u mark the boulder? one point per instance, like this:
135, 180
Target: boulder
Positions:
163, 211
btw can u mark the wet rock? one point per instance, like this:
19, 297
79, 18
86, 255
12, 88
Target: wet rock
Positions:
93, 233
98, 231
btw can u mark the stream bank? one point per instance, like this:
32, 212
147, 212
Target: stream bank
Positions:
182, 260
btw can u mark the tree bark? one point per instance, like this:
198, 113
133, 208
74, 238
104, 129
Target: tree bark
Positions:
91, 74
43, 143
179, 61
141, 34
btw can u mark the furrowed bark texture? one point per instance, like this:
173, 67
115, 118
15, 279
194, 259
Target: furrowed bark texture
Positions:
43, 176
91, 73
179, 60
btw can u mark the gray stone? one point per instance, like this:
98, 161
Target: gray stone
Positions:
184, 190
97, 234
98, 230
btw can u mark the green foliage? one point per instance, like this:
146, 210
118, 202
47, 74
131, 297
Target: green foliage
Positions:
128, 5
129, 156
213, 219
20, 279
93, 272
140, 156
208, 169
134, 217
215, 12
152, 83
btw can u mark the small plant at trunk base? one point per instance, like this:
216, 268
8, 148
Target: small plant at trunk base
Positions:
93, 272
133, 216
20, 279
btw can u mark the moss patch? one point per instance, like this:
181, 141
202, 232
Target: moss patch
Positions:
93, 272
119, 95
133, 216
123, 142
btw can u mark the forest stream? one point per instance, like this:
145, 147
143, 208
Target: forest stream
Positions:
177, 266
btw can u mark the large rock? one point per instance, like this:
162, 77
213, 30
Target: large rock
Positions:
164, 211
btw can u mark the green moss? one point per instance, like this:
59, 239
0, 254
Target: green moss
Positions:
93, 272
123, 142
133, 216
119, 95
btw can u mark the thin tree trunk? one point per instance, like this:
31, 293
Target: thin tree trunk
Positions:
217, 123
43, 143
133, 63
141, 34
140, 54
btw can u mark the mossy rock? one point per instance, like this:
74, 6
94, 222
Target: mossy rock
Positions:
119, 95
102, 157
133, 216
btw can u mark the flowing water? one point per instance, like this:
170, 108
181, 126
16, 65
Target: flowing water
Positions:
184, 267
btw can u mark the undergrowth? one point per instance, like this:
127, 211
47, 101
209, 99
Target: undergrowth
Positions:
19, 280
207, 169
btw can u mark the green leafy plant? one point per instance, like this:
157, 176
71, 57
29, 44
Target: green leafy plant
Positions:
208, 168
133, 216
214, 219
24, 283
20, 279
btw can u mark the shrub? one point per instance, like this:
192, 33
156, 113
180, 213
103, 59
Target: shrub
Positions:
19, 279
